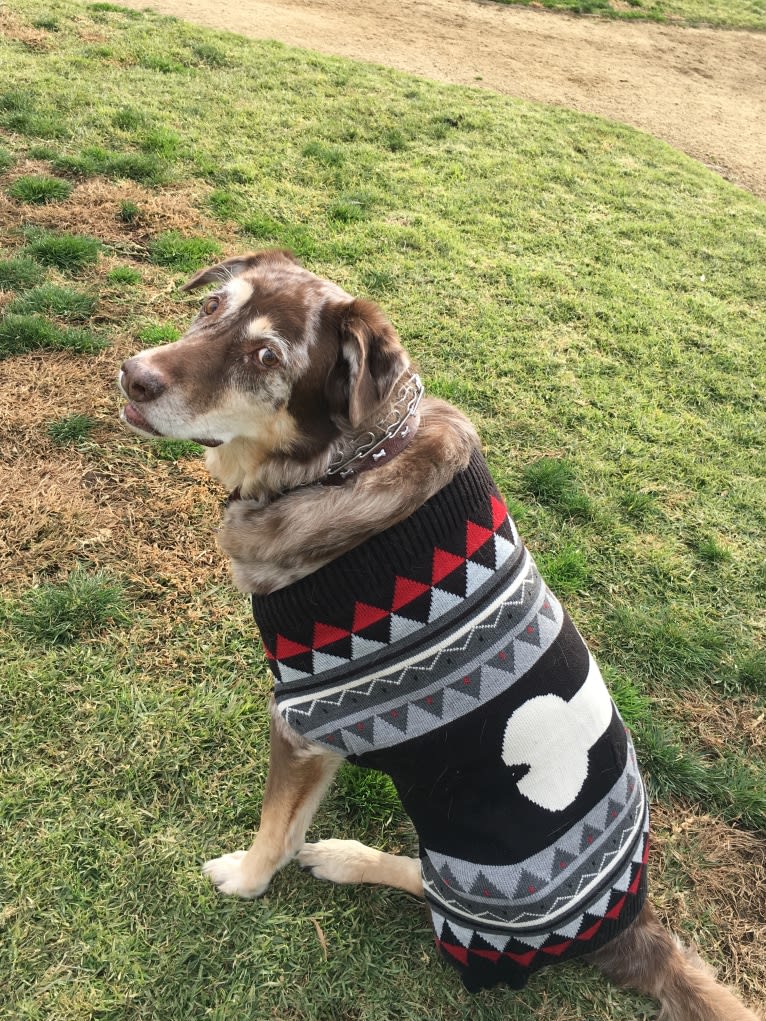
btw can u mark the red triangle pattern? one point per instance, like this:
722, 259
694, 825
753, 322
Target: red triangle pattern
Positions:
459, 953
287, 648
365, 615
475, 537
558, 948
326, 634
443, 564
405, 591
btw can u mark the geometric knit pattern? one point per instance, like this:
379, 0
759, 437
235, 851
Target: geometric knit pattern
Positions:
434, 652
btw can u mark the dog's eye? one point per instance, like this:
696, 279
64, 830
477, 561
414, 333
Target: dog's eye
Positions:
211, 305
268, 358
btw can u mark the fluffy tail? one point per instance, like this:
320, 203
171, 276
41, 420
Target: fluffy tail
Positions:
647, 958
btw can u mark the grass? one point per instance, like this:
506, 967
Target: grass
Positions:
72, 429
17, 274
68, 252
39, 189
591, 297
552, 481
160, 333
744, 14
78, 608
146, 167
184, 254
20, 334
56, 301
126, 275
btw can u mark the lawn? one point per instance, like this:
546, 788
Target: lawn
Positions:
590, 296
720, 13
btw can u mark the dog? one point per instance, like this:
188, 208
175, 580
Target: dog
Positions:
408, 629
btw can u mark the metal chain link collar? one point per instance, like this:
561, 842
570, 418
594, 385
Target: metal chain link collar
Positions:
394, 425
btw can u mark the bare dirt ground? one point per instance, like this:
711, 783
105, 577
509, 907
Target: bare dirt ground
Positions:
702, 90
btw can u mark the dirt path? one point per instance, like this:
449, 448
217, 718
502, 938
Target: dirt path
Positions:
702, 90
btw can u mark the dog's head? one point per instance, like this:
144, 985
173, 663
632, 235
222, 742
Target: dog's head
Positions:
276, 355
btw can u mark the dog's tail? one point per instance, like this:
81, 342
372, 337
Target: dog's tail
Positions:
648, 959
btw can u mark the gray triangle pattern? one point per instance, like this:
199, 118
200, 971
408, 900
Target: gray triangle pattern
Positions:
462, 933
359, 738
365, 646
482, 887
546, 609
322, 661
613, 811
476, 575
442, 602
396, 717
334, 739
503, 550
530, 633
401, 627
287, 674
448, 877
529, 885
470, 685
433, 703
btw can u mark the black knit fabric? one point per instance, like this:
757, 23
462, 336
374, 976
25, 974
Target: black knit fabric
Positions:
435, 653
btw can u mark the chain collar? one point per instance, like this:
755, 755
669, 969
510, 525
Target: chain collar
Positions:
378, 445
396, 428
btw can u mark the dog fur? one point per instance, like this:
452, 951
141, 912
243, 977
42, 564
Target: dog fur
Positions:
281, 372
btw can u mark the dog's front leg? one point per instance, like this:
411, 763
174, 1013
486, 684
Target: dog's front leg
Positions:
299, 775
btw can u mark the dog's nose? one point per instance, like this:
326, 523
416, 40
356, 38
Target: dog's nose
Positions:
140, 382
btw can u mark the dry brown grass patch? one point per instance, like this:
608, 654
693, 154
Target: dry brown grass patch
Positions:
718, 723
109, 503
15, 28
723, 871
94, 208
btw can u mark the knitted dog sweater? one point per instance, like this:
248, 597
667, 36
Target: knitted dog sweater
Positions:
434, 653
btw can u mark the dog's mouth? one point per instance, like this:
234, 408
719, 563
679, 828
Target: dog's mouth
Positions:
132, 417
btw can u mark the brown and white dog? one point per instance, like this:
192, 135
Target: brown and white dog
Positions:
286, 378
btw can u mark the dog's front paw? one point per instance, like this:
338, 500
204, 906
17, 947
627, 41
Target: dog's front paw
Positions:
339, 861
228, 876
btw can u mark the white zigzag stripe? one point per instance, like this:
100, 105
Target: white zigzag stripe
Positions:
527, 919
498, 606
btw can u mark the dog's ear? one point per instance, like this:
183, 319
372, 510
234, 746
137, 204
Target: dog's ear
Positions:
238, 264
370, 360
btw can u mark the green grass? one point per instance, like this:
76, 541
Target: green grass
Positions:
743, 14
39, 189
47, 21
185, 254
144, 167
67, 252
62, 613
125, 275
552, 482
18, 274
130, 212
591, 297
20, 334
56, 301
72, 429
159, 333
